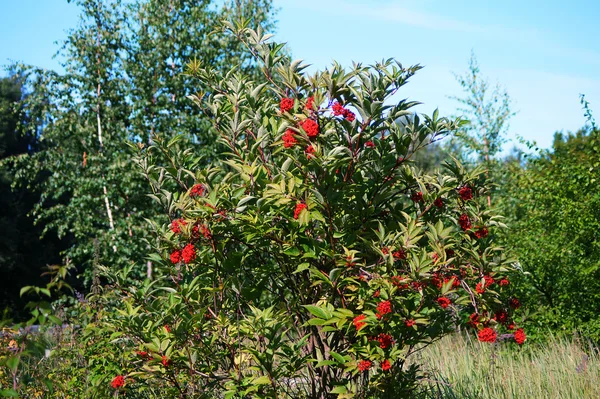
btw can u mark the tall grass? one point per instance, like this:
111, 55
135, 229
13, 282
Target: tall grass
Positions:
462, 367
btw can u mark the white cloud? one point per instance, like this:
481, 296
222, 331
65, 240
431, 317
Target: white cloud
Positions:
388, 11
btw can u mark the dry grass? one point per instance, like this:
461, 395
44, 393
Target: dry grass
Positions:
461, 367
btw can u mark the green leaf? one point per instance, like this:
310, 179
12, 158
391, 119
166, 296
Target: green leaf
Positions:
9, 393
339, 389
325, 363
318, 312
292, 251
317, 322
262, 380
339, 358
301, 267
12, 363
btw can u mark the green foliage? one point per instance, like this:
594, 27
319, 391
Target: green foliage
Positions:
553, 205
123, 82
22, 253
310, 256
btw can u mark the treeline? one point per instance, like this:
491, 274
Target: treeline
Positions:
123, 85
550, 204
67, 142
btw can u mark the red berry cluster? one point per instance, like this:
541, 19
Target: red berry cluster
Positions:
339, 110
383, 308
197, 190
487, 335
465, 193
359, 322
118, 382
417, 196
311, 128
286, 105
288, 139
299, 208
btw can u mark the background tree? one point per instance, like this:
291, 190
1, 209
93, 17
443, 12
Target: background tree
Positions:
124, 65
553, 208
488, 111
22, 253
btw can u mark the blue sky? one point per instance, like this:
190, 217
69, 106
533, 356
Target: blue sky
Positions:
544, 53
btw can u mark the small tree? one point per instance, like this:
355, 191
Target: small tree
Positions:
312, 259
488, 111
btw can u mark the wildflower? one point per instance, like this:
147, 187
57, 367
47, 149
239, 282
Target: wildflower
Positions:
299, 208
453, 280
435, 280
444, 302
399, 282
118, 382
474, 319
288, 139
165, 361
376, 294
359, 322
310, 127
514, 303
487, 335
488, 280
309, 151
286, 104
438, 202
503, 282
410, 323
188, 254
501, 316
370, 144
364, 365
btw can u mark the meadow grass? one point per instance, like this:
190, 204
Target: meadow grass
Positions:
459, 366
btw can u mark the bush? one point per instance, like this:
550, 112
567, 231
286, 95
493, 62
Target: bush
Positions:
312, 259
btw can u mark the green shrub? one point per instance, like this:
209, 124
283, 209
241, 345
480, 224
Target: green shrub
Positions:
312, 259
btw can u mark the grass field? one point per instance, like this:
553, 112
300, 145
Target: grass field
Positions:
462, 367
